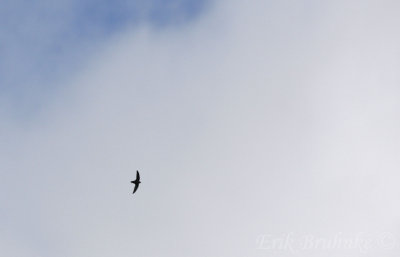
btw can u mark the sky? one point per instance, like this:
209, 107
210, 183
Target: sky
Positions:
259, 128
49, 42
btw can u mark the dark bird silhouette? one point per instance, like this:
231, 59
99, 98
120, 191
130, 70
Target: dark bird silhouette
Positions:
136, 182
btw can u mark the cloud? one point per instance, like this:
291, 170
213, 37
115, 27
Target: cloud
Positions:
50, 42
260, 118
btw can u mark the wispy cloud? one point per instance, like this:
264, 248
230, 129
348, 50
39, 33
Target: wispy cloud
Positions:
44, 43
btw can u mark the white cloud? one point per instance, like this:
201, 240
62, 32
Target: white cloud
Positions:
260, 118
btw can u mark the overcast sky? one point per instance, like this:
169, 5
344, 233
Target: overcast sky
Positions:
250, 122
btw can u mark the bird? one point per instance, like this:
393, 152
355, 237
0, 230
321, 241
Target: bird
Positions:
136, 182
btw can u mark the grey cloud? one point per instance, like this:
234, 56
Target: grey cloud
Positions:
254, 120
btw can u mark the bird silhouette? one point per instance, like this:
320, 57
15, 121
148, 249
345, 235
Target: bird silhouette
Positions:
136, 182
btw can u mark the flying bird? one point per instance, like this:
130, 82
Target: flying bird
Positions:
136, 182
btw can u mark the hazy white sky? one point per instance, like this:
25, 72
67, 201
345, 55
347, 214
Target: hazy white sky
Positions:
260, 118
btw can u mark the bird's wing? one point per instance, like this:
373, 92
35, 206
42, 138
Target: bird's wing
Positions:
136, 187
137, 176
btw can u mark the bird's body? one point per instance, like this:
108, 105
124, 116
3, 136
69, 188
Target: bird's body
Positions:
136, 182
